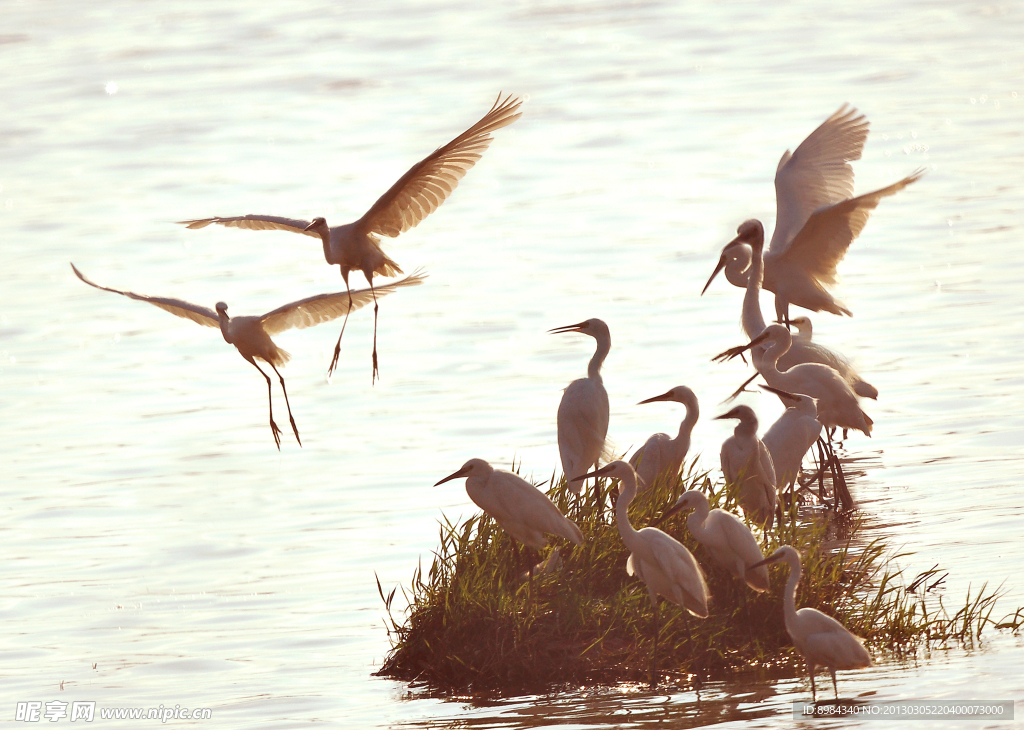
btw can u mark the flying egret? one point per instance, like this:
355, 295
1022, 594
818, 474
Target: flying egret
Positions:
747, 466
791, 436
417, 194
836, 402
820, 639
728, 541
583, 411
251, 335
817, 216
661, 454
522, 510
666, 567
751, 238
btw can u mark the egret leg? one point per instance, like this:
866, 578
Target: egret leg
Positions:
654, 654
834, 685
270, 400
288, 405
782, 310
816, 477
821, 471
746, 611
839, 489
375, 308
814, 692
337, 347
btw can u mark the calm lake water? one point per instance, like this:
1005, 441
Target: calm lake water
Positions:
159, 550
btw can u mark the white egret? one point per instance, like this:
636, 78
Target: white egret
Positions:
583, 411
836, 402
747, 466
522, 510
831, 358
665, 566
790, 438
820, 639
751, 238
729, 542
662, 455
251, 335
817, 216
417, 194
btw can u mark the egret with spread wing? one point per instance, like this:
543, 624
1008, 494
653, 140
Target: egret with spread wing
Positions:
417, 194
751, 238
251, 335
818, 217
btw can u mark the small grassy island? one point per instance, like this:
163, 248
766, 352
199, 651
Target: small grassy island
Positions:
475, 625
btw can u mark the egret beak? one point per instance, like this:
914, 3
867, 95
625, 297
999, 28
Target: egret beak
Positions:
782, 394
568, 328
774, 557
731, 414
460, 473
599, 473
309, 227
663, 396
734, 351
721, 265
721, 262
674, 509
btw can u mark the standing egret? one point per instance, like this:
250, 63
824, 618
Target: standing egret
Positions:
251, 335
751, 238
836, 402
662, 455
791, 436
747, 466
583, 411
820, 639
817, 216
666, 567
832, 358
728, 541
522, 510
417, 194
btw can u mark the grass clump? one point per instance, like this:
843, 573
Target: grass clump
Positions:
474, 625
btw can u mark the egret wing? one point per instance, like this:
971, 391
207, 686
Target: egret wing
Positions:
767, 467
823, 241
738, 537
818, 173
325, 307
532, 507
682, 570
829, 642
200, 315
429, 182
735, 459
255, 223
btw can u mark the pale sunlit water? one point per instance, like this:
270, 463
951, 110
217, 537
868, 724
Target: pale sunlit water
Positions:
157, 549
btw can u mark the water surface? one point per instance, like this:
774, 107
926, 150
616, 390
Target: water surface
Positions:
159, 550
